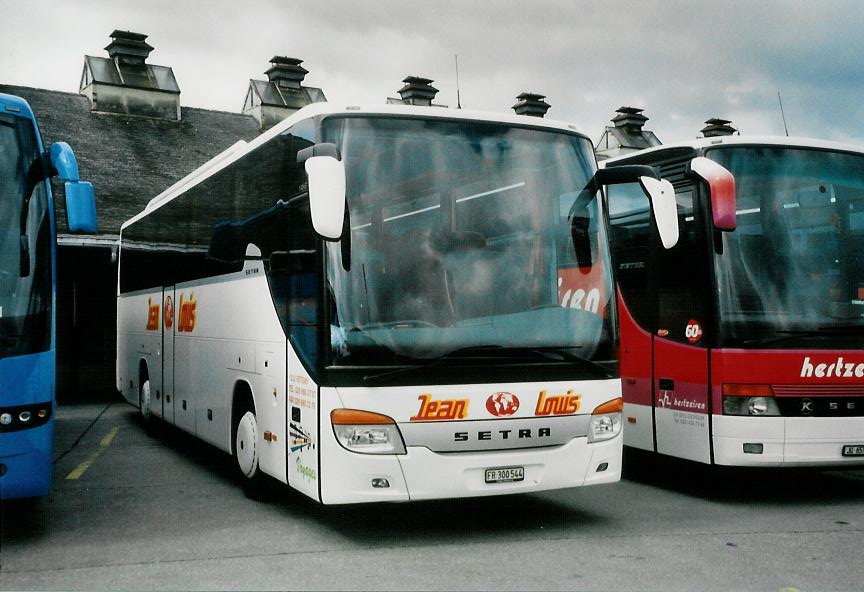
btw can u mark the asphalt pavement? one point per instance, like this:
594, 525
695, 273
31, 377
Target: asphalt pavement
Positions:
132, 510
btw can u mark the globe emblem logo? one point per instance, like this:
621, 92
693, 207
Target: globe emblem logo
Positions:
502, 404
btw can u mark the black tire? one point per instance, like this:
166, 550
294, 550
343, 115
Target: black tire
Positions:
144, 395
246, 449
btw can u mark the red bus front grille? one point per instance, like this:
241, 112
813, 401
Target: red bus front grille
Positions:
818, 390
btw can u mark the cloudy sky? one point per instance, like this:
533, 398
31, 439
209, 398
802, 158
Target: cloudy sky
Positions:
683, 62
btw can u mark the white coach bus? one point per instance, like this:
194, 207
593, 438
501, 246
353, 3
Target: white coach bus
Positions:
385, 305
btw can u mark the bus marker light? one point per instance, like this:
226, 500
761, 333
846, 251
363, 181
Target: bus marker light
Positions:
747, 390
613, 406
358, 417
379, 483
631, 419
602, 467
751, 448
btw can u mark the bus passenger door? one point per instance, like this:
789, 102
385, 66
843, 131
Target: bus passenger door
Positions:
633, 239
681, 386
168, 329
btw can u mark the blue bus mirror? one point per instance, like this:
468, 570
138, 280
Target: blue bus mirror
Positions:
80, 206
64, 162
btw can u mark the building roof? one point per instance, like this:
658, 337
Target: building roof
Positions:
130, 159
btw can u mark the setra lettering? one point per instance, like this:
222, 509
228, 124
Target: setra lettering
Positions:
567, 404
443, 410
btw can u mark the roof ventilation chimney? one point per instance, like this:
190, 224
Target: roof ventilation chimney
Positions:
627, 135
717, 127
124, 83
272, 100
531, 104
629, 119
417, 91
128, 48
286, 72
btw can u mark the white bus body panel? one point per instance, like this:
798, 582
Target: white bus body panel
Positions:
227, 336
424, 473
787, 441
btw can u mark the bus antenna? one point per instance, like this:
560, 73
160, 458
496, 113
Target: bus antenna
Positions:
782, 114
458, 98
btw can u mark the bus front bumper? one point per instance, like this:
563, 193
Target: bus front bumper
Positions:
424, 475
787, 441
25, 463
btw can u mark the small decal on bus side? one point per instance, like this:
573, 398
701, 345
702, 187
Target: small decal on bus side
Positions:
186, 323
693, 332
168, 312
152, 315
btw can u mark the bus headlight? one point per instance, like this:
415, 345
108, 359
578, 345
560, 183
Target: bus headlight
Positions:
753, 400
23, 417
606, 421
366, 432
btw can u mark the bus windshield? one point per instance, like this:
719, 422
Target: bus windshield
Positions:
460, 242
25, 264
792, 272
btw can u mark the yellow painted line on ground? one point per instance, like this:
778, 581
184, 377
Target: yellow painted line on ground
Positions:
82, 468
106, 441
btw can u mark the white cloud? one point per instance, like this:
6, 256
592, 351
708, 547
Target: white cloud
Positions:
683, 62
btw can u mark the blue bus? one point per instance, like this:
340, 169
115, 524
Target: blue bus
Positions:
27, 293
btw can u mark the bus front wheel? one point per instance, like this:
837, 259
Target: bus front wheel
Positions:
246, 452
144, 402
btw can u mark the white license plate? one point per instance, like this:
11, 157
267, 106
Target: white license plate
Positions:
853, 450
505, 475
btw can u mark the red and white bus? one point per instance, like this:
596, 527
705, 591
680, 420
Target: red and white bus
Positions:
742, 345
385, 305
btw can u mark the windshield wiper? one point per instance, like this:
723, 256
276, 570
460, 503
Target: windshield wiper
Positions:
492, 351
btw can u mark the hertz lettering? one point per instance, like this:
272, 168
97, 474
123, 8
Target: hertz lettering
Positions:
444, 410
558, 404
839, 368
519, 434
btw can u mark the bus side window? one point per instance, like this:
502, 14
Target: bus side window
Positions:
681, 274
292, 273
632, 237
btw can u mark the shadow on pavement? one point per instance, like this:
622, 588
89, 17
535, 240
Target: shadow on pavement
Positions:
763, 485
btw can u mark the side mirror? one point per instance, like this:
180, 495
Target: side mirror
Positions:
80, 206
64, 162
660, 193
721, 184
662, 196
326, 175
